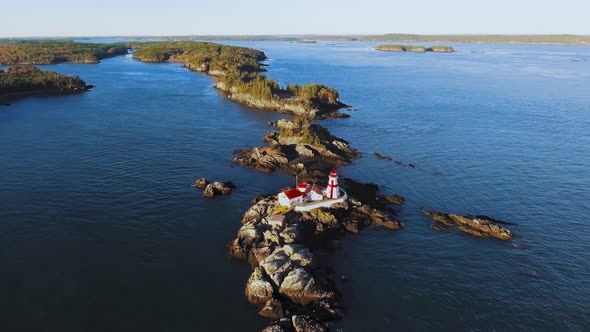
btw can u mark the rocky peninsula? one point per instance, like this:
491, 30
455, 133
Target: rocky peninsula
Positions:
417, 49
289, 283
23, 81
237, 71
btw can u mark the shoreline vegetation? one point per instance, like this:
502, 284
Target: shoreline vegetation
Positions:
238, 74
414, 48
53, 52
24, 81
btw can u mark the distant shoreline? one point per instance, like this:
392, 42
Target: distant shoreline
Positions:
554, 39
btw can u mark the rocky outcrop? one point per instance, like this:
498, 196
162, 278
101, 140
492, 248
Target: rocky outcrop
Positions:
282, 105
298, 148
216, 188
288, 283
481, 226
397, 162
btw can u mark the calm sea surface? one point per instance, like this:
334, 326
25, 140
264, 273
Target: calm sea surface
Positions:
100, 229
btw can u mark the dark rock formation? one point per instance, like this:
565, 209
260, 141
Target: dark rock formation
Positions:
216, 188
481, 226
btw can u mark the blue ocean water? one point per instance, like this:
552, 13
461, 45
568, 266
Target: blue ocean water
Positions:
101, 230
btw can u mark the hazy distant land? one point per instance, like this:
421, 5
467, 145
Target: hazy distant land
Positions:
558, 39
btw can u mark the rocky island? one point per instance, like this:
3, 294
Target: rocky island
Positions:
289, 282
299, 148
411, 48
237, 70
481, 226
24, 81
53, 52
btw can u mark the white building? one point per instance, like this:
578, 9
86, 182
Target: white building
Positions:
316, 193
291, 197
333, 191
313, 194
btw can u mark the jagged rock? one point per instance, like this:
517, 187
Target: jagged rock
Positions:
277, 266
381, 219
282, 325
291, 234
302, 288
261, 209
304, 323
218, 188
201, 183
324, 311
479, 226
304, 150
320, 215
272, 309
258, 289
302, 257
395, 199
271, 236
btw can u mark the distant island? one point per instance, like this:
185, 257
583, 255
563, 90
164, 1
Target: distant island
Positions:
51, 52
237, 70
24, 81
411, 48
490, 39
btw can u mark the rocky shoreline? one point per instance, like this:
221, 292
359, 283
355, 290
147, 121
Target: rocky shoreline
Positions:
288, 283
282, 105
298, 148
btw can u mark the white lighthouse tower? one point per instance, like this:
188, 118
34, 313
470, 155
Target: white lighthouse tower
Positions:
332, 191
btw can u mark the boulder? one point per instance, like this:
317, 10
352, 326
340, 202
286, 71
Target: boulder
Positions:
218, 188
395, 199
282, 325
291, 234
201, 183
304, 150
258, 289
301, 287
272, 309
304, 323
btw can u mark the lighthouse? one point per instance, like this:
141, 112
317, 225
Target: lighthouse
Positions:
332, 191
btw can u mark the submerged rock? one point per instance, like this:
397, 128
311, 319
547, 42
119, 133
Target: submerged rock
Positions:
480, 226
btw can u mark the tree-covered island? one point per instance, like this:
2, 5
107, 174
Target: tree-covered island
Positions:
24, 81
53, 52
412, 48
238, 72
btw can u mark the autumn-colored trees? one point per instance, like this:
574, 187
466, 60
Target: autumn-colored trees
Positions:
51, 52
29, 78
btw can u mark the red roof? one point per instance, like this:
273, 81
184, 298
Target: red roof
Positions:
302, 185
333, 172
293, 193
318, 189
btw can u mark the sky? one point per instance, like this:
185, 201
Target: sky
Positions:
59, 18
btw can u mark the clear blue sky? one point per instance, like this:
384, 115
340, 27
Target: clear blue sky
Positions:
21, 18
